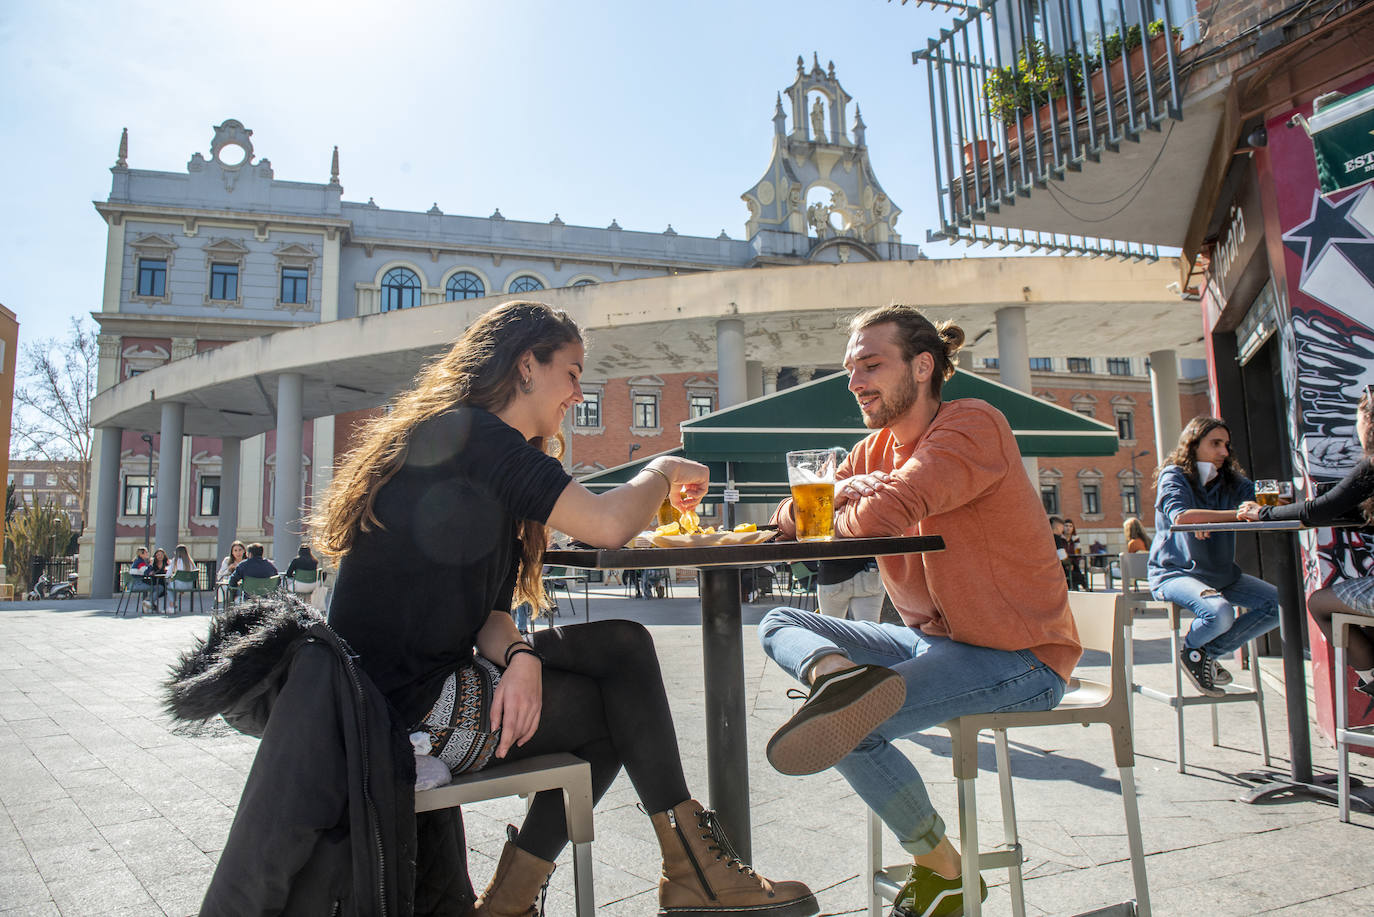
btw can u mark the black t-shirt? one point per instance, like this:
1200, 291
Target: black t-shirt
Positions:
1340, 504
412, 593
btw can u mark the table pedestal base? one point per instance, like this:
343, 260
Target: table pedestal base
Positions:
1271, 787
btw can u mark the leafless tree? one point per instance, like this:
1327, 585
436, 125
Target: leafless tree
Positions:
52, 418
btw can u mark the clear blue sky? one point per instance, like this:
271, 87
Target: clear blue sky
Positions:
649, 113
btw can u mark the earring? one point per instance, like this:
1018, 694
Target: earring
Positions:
526, 385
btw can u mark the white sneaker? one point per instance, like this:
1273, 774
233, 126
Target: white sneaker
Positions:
147, 605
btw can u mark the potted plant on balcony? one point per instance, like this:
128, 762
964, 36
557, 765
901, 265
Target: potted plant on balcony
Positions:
1032, 87
1116, 48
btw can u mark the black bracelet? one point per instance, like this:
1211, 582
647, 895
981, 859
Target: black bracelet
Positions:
512, 647
517, 650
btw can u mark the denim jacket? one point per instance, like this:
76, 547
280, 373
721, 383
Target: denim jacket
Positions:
1211, 560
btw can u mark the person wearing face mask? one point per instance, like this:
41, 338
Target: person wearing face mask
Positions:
1200, 481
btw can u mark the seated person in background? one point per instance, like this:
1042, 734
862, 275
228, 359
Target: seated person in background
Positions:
255, 566
850, 588
1200, 481
1136, 541
237, 552
1061, 546
655, 583
967, 643
304, 560
1353, 496
157, 573
1078, 577
140, 564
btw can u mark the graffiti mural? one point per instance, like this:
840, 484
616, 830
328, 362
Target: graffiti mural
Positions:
1326, 280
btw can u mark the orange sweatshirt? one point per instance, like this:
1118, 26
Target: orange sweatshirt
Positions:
998, 583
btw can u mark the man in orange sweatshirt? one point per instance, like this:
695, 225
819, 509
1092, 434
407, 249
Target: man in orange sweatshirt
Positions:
985, 623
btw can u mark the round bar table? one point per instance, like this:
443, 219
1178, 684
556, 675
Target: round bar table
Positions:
727, 756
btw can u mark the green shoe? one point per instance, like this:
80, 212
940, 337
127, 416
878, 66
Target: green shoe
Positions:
929, 894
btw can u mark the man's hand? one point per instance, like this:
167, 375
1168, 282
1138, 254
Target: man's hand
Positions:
860, 485
1249, 511
519, 698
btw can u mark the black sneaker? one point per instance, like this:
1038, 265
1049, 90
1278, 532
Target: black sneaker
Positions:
1198, 666
1220, 677
1367, 688
841, 709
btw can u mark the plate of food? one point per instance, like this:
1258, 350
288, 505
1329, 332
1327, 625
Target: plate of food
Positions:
688, 533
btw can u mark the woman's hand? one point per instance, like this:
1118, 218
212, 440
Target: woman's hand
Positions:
1249, 511
689, 481
519, 698
860, 485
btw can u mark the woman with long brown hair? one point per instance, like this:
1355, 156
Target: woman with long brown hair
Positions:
449, 495
1353, 497
1200, 481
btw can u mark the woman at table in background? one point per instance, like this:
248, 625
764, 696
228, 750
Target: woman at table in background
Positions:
1199, 482
451, 493
158, 568
1136, 542
237, 552
1353, 496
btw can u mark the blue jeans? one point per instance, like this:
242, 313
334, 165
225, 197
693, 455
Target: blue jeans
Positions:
944, 679
1216, 628
522, 617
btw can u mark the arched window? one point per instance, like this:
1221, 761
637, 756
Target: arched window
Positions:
525, 284
400, 289
584, 282
464, 285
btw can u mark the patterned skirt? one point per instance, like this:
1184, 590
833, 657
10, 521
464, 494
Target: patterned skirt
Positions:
1357, 593
457, 730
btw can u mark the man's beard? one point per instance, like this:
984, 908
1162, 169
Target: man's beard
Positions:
894, 405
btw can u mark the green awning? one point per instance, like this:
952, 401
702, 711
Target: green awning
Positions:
755, 437
823, 413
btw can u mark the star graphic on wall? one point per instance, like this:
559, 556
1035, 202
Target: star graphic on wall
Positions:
1330, 224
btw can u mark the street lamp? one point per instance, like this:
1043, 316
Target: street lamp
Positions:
634, 447
148, 498
1135, 482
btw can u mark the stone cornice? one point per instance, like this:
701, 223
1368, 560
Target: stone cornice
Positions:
115, 211
485, 250
185, 326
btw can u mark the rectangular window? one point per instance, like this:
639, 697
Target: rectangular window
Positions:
138, 494
208, 504
1125, 425
1085, 408
70, 500
1119, 366
646, 412
1041, 364
28, 479
1049, 496
700, 406
1130, 500
224, 281
991, 363
295, 285
152, 276
1080, 365
588, 413
52, 480
1092, 500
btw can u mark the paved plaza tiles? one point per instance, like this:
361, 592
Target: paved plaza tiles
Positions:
107, 809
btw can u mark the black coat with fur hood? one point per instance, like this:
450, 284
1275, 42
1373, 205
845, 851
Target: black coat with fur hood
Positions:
326, 822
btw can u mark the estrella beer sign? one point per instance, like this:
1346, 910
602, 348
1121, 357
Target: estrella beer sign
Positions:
1343, 141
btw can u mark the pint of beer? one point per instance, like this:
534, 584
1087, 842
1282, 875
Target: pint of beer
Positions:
1267, 492
811, 475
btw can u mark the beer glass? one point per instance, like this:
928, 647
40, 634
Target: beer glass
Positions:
1267, 492
811, 475
1285, 493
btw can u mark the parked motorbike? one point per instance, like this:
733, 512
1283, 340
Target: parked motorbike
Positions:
43, 588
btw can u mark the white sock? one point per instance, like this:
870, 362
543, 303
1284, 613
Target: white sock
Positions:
1366, 675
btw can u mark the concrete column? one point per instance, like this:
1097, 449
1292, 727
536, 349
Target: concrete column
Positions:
1013, 365
1164, 394
770, 379
106, 506
168, 531
754, 370
286, 518
228, 494
805, 374
731, 376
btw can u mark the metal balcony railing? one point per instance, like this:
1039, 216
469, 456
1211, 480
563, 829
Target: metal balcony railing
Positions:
1024, 91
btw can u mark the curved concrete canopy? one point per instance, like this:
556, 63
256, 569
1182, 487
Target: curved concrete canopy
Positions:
793, 316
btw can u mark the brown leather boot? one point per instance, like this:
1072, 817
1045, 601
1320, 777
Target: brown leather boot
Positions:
517, 888
702, 876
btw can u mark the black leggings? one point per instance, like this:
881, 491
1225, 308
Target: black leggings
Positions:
604, 702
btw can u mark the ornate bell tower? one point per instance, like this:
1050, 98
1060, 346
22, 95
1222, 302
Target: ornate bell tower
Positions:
819, 199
